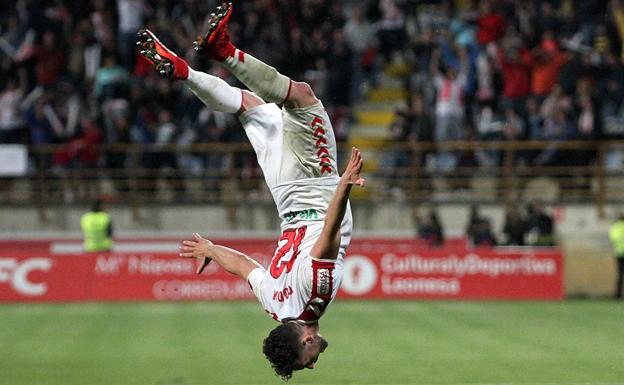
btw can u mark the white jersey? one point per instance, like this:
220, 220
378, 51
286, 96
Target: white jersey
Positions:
296, 150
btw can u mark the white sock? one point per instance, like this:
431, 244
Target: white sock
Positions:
215, 92
260, 77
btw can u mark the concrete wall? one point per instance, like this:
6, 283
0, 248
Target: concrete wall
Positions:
589, 266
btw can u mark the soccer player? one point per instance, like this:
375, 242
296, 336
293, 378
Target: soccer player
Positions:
296, 149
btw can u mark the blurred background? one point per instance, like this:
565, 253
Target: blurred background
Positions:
512, 105
493, 134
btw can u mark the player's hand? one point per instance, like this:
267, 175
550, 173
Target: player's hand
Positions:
197, 248
351, 174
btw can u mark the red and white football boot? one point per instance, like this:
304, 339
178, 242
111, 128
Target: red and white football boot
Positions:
167, 63
216, 44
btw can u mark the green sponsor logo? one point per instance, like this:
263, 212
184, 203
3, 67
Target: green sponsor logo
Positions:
303, 214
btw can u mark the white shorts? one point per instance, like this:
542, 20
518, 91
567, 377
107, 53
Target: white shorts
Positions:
291, 144
296, 150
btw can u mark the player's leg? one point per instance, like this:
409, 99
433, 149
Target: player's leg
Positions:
260, 77
214, 92
262, 122
211, 90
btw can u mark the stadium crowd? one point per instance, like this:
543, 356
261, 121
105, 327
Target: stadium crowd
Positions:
70, 75
484, 70
512, 70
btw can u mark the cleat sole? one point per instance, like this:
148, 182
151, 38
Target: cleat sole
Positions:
148, 49
215, 19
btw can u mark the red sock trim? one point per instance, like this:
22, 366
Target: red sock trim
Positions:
182, 69
242, 106
287, 93
228, 51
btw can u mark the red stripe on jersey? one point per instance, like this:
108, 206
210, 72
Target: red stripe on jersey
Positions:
322, 150
273, 315
323, 264
316, 121
322, 289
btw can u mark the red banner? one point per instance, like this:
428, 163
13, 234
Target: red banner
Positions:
374, 269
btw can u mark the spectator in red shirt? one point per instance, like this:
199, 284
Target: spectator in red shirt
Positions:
546, 61
491, 24
50, 60
516, 75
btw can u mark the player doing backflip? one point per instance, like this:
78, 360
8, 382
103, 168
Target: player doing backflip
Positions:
296, 149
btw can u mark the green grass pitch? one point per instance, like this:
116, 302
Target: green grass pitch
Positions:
401, 342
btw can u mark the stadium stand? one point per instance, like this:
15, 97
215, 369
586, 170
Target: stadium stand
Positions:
485, 101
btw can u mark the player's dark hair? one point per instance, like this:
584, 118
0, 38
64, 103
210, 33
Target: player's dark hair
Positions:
282, 349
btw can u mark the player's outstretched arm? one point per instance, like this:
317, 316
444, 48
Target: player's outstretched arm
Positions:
326, 247
231, 260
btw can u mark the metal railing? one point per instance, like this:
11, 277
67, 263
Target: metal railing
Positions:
225, 174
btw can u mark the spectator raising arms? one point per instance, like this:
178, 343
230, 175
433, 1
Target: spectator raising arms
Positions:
482, 70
